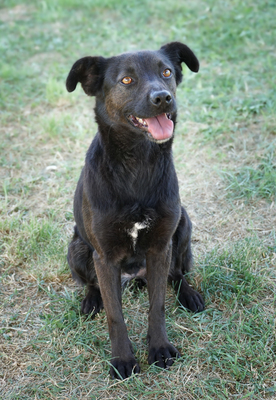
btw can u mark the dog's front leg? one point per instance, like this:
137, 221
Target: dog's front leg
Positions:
161, 352
123, 361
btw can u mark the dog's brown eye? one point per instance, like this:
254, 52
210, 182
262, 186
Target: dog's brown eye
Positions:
167, 72
126, 80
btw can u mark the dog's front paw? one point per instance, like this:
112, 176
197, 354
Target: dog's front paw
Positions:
163, 357
123, 369
191, 300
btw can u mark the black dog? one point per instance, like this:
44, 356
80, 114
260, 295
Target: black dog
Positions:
129, 220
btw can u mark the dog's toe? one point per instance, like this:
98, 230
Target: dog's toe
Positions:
191, 300
163, 357
123, 369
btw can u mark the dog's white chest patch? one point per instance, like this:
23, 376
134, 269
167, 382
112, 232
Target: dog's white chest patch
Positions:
134, 231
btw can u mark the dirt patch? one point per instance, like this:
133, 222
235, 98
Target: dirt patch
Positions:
218, 219
18, 13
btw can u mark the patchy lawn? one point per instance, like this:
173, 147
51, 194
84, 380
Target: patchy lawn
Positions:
224, 152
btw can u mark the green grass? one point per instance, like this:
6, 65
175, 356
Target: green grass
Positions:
225, 157
230, 347
249, 182
236, 274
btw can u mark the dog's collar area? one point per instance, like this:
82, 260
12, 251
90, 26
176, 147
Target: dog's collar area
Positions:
159, 128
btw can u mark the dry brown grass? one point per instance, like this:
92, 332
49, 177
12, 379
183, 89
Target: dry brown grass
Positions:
226, 122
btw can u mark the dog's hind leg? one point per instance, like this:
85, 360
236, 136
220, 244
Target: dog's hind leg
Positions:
80, 260
182, 261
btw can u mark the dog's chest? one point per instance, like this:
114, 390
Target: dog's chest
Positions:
136, 229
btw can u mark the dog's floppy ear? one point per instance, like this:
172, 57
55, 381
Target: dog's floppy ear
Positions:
179, 53
89, 71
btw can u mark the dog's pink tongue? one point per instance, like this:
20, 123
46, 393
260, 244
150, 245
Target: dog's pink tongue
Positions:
160, 127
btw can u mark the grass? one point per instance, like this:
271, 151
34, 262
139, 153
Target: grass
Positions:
249, 182
225, 157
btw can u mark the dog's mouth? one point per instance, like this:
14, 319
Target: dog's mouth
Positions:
159, 128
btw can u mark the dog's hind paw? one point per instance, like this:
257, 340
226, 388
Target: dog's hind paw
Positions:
92, 303
123, 369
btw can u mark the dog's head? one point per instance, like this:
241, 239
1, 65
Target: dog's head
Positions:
135, 90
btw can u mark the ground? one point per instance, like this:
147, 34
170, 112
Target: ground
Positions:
224, 151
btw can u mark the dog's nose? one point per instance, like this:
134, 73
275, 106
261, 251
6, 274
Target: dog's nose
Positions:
161, 97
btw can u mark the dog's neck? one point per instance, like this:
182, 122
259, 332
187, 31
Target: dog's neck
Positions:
124, 165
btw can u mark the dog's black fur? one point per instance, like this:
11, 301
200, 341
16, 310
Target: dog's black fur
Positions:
127, 208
